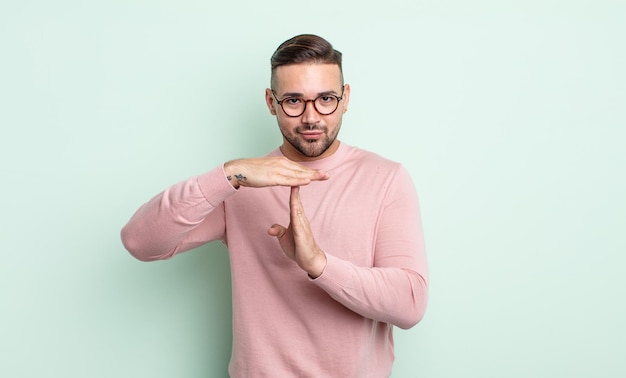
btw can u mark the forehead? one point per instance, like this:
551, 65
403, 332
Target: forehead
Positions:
307, 78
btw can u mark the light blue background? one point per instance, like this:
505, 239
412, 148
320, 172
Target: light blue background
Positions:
510, 116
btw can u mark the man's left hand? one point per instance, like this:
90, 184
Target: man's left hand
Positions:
297, 239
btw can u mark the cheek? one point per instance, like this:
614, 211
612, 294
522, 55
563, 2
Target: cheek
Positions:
286, 125
335, 122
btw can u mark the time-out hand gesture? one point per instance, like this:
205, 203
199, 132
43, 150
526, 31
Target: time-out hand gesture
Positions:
270, 171
297, 239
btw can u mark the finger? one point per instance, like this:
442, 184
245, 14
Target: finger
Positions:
313, 174
318, 175
299, 177
299, 221
302, 171
277, 230
295, 204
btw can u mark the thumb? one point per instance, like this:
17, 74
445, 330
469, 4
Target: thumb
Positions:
277, 230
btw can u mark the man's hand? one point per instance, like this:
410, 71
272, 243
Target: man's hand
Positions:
297, 239
270, 171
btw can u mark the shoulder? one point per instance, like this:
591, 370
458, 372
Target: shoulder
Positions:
371, 169
363, 157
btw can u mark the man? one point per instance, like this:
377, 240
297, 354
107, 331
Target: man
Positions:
325, 239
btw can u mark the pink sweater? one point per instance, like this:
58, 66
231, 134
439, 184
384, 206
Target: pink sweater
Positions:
365, 218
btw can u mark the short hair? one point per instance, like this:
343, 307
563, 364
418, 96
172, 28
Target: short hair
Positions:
305, 48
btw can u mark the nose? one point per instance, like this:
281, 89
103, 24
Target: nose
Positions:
310, 115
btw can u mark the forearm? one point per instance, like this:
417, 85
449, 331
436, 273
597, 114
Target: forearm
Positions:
394, 288
388, 294
165, 225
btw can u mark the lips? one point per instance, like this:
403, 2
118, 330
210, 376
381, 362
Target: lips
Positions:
312, 134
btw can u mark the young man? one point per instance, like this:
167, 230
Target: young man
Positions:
325, 239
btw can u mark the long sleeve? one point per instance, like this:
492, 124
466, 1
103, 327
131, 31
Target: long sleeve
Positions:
395, 289
365, 218
176, 219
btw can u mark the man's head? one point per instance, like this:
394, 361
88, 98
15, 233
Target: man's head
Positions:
307, 96
305, 48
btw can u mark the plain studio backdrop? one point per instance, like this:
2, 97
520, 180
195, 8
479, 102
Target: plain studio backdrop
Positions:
509, 115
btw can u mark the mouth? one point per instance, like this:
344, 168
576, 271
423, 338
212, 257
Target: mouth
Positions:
311, 135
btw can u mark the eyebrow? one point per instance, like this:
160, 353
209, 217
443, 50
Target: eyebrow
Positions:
296, 94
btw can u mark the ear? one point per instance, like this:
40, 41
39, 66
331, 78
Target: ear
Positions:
346, 97
269, 101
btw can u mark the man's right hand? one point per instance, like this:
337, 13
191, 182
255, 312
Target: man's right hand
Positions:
270, 171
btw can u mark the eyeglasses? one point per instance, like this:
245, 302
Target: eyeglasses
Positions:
325, 104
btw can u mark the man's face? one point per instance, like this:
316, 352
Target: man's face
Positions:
310, 136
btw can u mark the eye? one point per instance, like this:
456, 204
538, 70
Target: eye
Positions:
326, 99
293, 101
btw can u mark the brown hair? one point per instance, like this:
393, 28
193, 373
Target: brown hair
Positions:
305, 48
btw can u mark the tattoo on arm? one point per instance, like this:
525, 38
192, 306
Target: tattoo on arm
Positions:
238, 176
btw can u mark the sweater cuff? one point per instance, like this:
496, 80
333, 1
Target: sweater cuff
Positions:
215, 186
336, 275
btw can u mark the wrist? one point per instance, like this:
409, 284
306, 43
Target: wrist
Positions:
233, 174
317, 266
